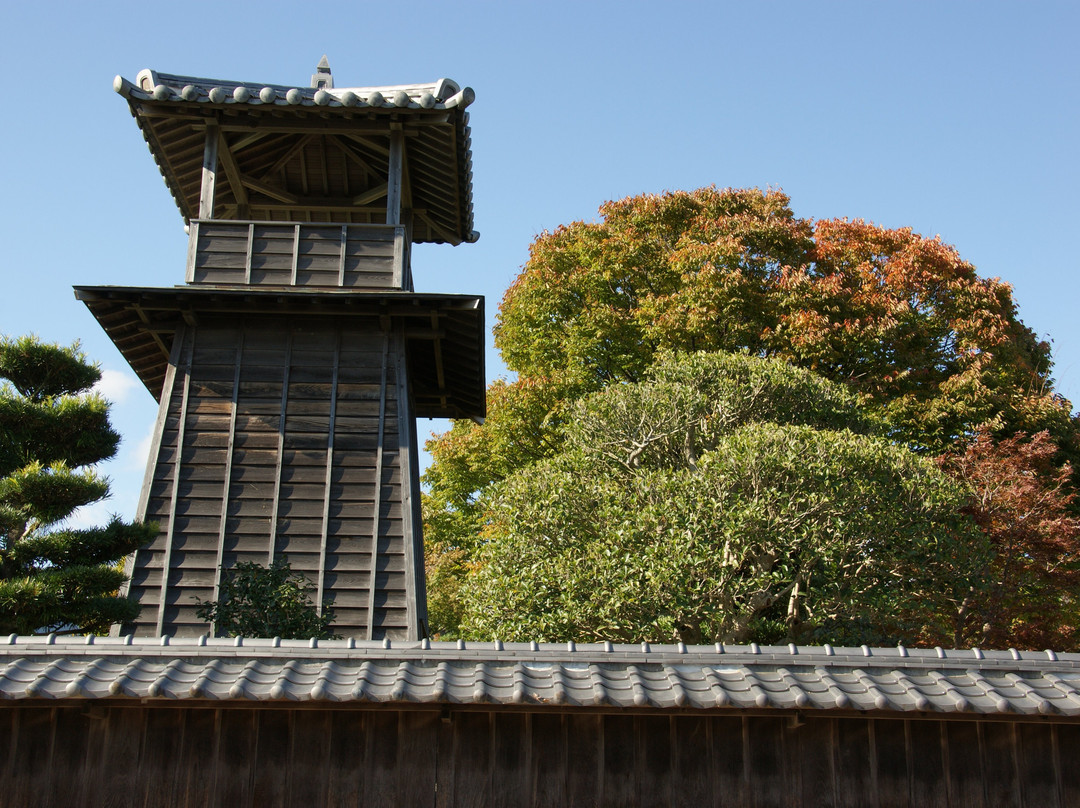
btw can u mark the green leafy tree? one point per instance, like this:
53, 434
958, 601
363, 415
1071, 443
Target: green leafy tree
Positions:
901, 319
53, 430
724, 498
269, 601
928, 347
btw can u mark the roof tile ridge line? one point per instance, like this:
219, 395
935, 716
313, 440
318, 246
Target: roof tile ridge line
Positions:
761, 696
81, 679
598, 684
881, 700
637, 686
480, 683
841, 699
239, 687
359, 688
402, 688
178, 80
678, 685
320, 691
280, 688
1001, 701
205, 677
558, 684
1042, 704
105, 669
920, 702
156, 688
520, 692
802, 698
716, 686
14, 663
1071, 694
440, 690
116, 686
36, 688
960, 701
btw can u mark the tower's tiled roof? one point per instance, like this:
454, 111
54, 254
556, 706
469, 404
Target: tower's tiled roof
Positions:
325, 140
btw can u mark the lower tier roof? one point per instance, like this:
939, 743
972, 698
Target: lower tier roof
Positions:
444, 333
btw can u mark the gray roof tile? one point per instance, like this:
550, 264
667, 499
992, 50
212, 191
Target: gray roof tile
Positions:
587, 675
157, 86
171, 108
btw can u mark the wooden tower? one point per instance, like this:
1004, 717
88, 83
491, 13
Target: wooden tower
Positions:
291, 364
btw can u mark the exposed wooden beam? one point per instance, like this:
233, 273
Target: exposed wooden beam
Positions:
249, 140
368, 144
406, 183
324, 171
153, 332
223, 516
440, 375
270, 191
286, 157
434, 228
302, 206
393, 192
232, 171
278, 458
371, 195
209, 173
359, 161
324, 533
299, 127
174, 493
377, 511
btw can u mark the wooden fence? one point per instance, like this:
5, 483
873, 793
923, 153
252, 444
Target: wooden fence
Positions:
124, 753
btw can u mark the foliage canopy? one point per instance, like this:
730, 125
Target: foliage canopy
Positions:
269, 601
723, 498
935, 354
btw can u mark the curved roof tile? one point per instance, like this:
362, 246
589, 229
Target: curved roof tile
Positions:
586, 676
172, 111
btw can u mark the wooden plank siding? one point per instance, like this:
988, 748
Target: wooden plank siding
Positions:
347, 256
130, 754
269, 433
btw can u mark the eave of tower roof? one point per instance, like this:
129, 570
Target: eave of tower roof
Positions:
265, 126
444, 333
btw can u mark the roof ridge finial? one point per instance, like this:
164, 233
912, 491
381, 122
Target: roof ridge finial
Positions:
322, 80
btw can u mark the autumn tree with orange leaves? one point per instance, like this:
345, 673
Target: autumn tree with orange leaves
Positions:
932, 349
1023, 501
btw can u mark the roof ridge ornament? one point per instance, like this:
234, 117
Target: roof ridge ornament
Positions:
322, 79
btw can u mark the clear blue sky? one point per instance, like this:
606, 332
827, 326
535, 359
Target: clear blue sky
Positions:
958, 119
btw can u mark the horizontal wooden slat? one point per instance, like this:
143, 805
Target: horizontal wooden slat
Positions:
223, 256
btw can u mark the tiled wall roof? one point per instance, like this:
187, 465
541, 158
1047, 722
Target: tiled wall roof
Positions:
891, 680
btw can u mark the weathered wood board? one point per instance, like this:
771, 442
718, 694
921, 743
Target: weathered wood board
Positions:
284, 439
132, 754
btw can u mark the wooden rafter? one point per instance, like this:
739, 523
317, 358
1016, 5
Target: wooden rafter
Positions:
232, 172
271, 191
350, 154
370, 195
284, 158
368, 144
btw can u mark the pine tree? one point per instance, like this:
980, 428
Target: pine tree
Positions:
53, 431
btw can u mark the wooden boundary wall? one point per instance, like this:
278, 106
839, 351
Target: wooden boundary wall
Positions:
118, 753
